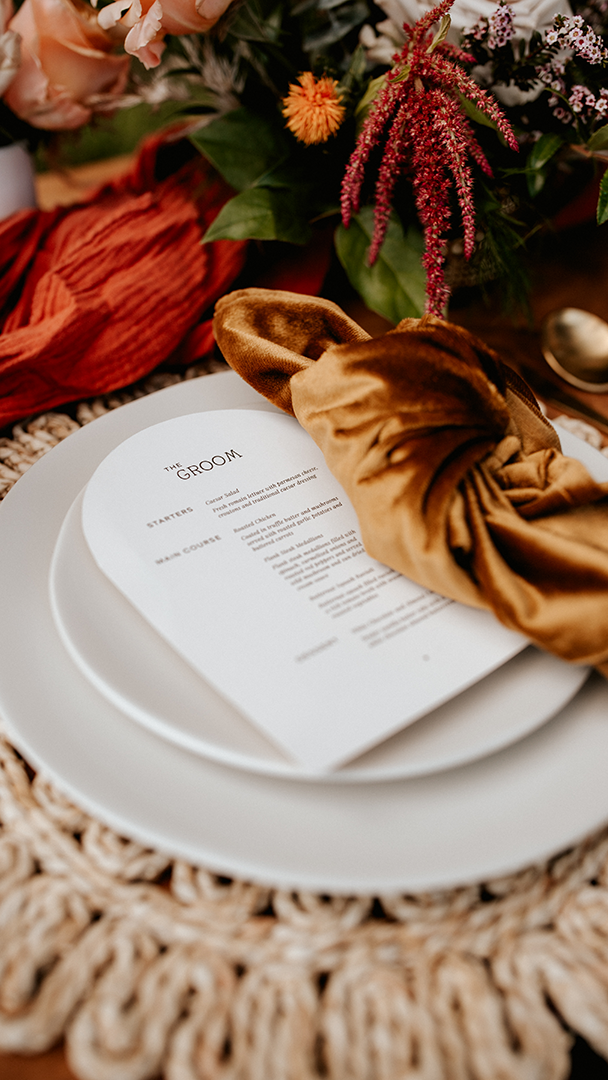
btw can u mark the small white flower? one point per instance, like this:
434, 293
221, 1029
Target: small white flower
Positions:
382, 44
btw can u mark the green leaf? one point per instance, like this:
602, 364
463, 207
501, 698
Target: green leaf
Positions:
355, 71
261, 214
535, 179
302, 7
538, 159
340, 21
476, 114
373, 89
543, 150
395, 285
243, 146
602, 203
442, 33
250, 24
599, 140
329, 5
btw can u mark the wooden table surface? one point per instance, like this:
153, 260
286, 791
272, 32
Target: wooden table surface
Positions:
572, 274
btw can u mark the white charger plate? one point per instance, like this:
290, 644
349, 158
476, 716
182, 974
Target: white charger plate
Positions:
471, 823
118, 651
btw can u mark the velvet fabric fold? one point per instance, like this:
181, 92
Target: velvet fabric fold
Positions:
457, 478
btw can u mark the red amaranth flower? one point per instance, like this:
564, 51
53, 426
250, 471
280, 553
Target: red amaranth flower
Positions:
426, 133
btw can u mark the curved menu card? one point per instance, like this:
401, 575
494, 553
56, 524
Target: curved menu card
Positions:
227, 531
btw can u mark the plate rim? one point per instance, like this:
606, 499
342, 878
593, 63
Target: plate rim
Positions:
565, 735
162, 727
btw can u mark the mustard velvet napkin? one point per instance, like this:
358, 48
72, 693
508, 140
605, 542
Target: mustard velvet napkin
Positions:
456, 477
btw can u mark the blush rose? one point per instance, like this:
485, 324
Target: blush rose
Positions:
68, 70
10, 53
146, 22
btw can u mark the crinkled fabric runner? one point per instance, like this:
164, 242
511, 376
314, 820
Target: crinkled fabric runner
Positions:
151, 967
96, 295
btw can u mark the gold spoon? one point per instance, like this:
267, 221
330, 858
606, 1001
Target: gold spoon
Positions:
575, 345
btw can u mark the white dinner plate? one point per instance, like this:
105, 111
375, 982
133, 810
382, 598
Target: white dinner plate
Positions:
133, 667
484, 819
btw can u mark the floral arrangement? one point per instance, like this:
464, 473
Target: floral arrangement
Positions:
437, 141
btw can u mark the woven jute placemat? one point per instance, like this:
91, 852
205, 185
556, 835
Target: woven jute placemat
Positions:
151, 967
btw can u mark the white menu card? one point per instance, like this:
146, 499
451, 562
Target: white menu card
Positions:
227, 531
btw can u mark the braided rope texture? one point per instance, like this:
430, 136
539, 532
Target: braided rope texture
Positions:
151, 967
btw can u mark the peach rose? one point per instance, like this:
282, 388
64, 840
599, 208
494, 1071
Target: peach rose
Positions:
147, 21
67, 69
10, 53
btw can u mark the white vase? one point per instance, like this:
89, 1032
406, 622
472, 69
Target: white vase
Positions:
17, 190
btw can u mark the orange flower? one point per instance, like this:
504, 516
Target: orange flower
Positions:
312, 109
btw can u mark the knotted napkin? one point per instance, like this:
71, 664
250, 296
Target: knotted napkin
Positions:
457, 478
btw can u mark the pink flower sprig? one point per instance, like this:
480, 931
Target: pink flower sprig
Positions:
500, 26
574, 33
427, 136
